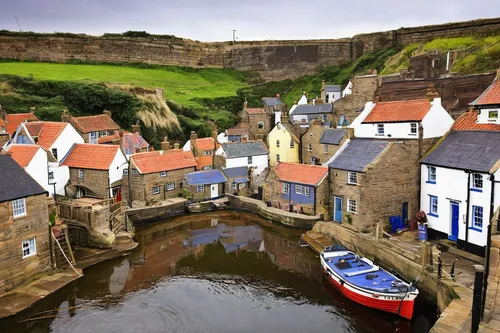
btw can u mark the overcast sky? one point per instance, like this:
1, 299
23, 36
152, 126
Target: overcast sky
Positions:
214, 20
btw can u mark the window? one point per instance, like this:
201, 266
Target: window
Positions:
93, 137
134, 172
125, 172
352, 206
324, 118
342, 120
171, 186
433, 206
80, 174
286, 188
352, 177
261, 125
207, 167
28, 247
207, 152
299, 189
413, 128
54, 152
431, 176
51, 174
313, 160
277, 158
156, 189
103, 133
292, 144
325, 149
200, 188
493, 114
163, 174
477, 182
277, 143
477, 217
250, 160
19, 207
380, 129
307, 191
310, 147
234, 186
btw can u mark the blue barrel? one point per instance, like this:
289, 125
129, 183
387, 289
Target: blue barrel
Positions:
422, 231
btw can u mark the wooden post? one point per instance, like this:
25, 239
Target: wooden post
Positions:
69, 245
377, 232
476, 300
425, 255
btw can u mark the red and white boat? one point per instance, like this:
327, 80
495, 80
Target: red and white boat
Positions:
367, 284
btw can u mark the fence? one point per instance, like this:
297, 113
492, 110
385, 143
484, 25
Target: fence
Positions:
75, 214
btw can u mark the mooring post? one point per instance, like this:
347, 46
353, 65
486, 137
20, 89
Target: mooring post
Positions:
476, 300
425, 255
452, 272
440, 266
377, 232
431, 257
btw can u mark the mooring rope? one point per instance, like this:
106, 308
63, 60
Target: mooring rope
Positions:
64, 254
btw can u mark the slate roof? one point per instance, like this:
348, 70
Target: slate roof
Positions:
332, 136
205, 177
272, 101
236, 172
467, 150
399, 111
23, 154
358, 154
468, 122
245, 148
157, 161
333, 88
46, 131
16, 183
90, 156
312, 109
13, 120
301, 173
89, 124
490, 96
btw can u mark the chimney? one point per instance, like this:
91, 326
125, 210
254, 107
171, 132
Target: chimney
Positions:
215, 132
193, 137
323, 85
431, 93
496, 78
165, 145
65, 117
350, 133
176, 145
32, 110
107, 112
3, 113
278, 95
136, 128
117, 141
245, 105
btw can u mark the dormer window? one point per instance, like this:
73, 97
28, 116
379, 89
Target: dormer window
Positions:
493, 115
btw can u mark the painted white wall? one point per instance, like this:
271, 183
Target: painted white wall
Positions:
391, 130
116, 169
187, 146
437, 121
482, 117
451, 184
347, 89
356, 123
61, 177
277, 117
37, 169
68, 137
259, 162
333, 96
302, 100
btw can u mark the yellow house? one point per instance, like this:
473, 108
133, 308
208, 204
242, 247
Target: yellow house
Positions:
283, 145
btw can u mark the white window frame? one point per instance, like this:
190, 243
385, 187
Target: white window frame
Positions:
292, 144
54, 152
157, 187
413, 128
163, 174
352, 178
299, 189
352, 206
207, 152
380, 129
93, 137
170, 186
432, 174
103, 133
277, 158
277, 143
432, 205
325, 149
309, 147
286, 188
30, 247
477, 181
81, 174
249, 160
477, 217
313, 160
493, 118
135, 172
125, 172
200, 188
51, 175
307, 191
19, 208
234, 186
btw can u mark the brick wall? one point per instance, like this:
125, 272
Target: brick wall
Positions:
95, 182
15, 270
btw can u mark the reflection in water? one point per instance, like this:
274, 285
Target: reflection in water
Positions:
220, 272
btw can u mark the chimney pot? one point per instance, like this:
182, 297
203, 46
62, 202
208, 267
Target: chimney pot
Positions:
176, 145
431, 93
193, 136
136, 128
245, 105
32, 109
165, 145
66, 116
107, 112
496, 78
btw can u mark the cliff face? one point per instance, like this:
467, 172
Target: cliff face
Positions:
275, 60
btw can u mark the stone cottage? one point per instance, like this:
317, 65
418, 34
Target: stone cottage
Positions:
91, 128
203, 149
320, 143
257, 120
24, 220
205, 185
238, 180
251, 154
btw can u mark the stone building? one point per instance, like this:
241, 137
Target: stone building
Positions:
24, 220
258, 121
203, 149
300, 187
205, 185
320, 143
330, 93
251, 154
158, 175
131, 143
305, 114
91, 128
95, 171
275, 108
238, 179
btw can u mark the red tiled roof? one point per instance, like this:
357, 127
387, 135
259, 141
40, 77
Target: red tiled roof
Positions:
255, 110
91, 156
46, 131
205, 144
468, 122
170, 160
23, 154
97, 123
203, 161
301, 173
490, 96
399, 111
13, 120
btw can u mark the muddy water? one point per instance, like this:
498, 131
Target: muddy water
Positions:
224, 272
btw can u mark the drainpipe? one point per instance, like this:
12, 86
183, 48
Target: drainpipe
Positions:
467, 211
129, 175
314, 207
488, 244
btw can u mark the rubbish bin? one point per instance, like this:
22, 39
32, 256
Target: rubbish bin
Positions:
422, 231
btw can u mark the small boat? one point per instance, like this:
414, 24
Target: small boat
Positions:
367, 284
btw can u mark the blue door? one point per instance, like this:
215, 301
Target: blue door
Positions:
454, 222
337, 215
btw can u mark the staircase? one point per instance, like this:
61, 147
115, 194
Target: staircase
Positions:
118, 221
62, 248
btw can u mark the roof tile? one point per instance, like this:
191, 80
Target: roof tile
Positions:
204, 161
244, 148
205, 177
46, 131
97, 123
399, 111
205, 143
490, 96
172, 159
255, 110
301, 173
91, 156
13, 120
23, 154
358, 154
468, 122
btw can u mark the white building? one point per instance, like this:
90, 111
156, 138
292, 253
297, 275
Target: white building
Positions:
402, 120
252, 154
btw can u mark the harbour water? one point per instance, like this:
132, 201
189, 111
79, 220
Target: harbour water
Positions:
217, 272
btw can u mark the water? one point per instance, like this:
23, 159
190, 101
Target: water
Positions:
220, 272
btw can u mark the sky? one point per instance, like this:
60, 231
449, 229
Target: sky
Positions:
214, 20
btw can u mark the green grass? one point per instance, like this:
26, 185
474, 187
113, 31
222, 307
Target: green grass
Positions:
449, 44
180, 84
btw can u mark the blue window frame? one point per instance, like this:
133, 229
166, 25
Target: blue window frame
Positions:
380, 129
477, 218
431, 175
433, 206
477, 182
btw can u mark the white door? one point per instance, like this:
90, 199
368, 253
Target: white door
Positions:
214, 190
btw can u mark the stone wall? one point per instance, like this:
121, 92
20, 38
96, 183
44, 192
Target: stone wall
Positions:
206, 195
275, 60
311, 137
173, 207
95, 182
14, 269
257, 133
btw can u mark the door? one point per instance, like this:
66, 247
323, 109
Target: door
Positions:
337, 214
454, 221
404, 213
214, 190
